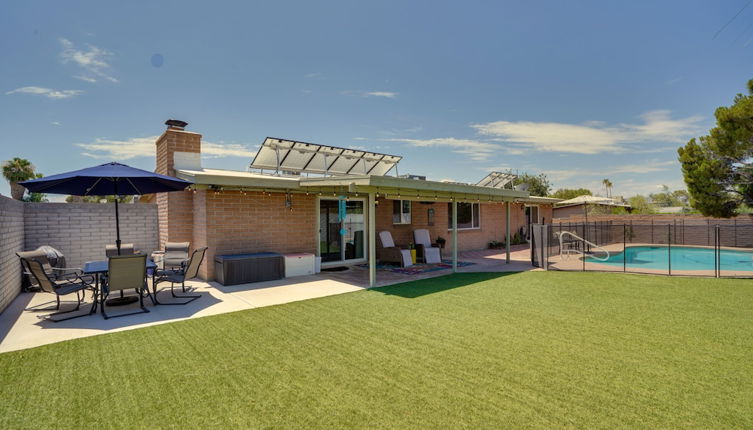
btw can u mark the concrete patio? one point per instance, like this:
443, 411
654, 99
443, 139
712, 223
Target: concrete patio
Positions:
20, 329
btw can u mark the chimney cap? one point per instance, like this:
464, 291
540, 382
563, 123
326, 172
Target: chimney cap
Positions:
176, 123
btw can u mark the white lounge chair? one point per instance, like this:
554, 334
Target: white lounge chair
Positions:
426, 250
389, 253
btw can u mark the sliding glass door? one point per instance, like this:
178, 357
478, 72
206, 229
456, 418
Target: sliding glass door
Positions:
342, 239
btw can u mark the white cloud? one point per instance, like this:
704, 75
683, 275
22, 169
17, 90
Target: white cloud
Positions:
474, 149
46, 92
651, 166
144, 147
85, 78
384, 94
387, 94
56, 123
591, 137
220, 150
93, 61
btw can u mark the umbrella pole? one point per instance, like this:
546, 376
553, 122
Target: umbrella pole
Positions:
117, 219
117, 228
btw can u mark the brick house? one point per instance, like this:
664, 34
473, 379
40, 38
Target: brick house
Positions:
238, 212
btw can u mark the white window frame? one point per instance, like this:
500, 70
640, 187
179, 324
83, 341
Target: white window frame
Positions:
403, 219
449, 217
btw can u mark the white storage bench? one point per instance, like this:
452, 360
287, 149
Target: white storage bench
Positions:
299, 264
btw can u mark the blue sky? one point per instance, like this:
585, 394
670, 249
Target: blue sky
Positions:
577, 90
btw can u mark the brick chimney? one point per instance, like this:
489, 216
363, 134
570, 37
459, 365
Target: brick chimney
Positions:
176, 149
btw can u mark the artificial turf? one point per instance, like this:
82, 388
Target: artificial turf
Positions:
537, 349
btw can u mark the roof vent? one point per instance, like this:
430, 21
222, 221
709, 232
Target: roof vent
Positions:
176, 124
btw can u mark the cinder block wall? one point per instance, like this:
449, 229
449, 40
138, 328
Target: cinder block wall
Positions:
11, 241
81, 230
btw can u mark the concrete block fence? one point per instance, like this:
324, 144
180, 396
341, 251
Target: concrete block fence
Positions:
79, 230
11, 241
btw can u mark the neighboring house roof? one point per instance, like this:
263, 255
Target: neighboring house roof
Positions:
591, 200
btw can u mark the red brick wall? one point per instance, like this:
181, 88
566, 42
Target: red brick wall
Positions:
232, 223
492, 223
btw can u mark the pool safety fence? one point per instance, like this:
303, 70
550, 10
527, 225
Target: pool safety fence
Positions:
676, 248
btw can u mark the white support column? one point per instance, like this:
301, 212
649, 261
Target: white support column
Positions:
507, 232
372, 240
454, 235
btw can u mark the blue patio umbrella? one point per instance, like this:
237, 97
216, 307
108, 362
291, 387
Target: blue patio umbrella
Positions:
106, 179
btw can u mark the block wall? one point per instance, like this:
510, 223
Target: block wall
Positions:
11, 241
81, 230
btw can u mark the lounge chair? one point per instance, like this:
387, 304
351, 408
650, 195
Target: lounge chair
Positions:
125, 272
58, 288
179, 276
125, 249
389, 253
425, 250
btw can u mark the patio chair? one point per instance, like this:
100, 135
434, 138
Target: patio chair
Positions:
125, 272
179, 276
58, 288
53, 263
425, 250
389, 253
125, 249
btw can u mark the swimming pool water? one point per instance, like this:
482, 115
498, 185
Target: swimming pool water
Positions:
683, 258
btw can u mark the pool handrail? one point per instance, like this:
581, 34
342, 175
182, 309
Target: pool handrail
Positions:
560, 235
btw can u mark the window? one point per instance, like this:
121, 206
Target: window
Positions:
401, 211
468, 215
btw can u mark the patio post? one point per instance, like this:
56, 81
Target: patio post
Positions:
454, 235
507, 232
372, 240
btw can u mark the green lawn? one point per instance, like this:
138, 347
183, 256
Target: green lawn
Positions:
537, 349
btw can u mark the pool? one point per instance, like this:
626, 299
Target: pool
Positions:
683, 258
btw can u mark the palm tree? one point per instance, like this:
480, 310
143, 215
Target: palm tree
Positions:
15, 171
607, 186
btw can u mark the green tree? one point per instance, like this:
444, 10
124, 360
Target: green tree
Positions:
15, 171
607, 186
570, 193
538, 185
641, 205
717, 168
667, 198
36, 197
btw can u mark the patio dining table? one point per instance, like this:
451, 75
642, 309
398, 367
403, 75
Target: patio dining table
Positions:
98, 268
